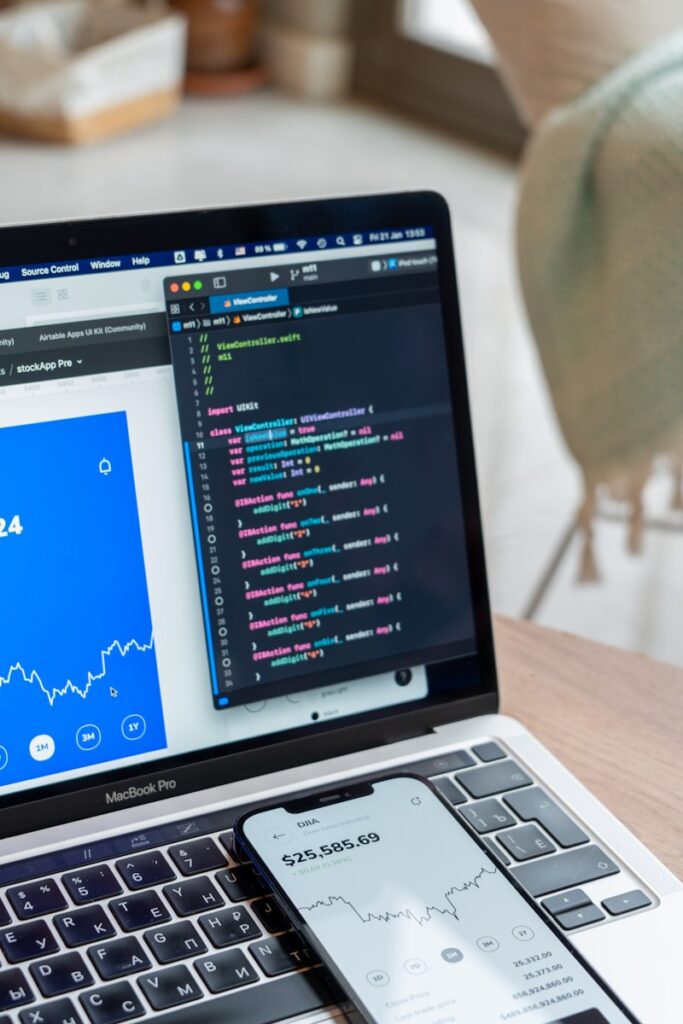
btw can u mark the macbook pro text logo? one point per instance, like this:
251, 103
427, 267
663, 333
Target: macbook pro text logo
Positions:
160, 788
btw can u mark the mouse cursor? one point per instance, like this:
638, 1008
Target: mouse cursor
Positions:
113, 692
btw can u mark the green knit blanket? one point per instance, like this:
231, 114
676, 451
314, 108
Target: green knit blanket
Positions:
600, 237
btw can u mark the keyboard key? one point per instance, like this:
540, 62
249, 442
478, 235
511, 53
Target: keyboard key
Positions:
525, 842
501, 855
566, 901
240, 883
142, 910
197, 857
283, 998
227, 841
175, 942
14, 989
578, 918
112, 1004
91, 884
118, 958
28, 941
286, 953
565, 870
80, 927
4, 915
489, 751
270, 915
494, 778
452, 762
62, 1011
226, 970
453, 793
170, 987
62, 974
193, 896
145, 870
226, 927
627, 901
487, 816
535, 805
36, 899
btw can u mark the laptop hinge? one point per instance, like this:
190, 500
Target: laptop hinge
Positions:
401, 735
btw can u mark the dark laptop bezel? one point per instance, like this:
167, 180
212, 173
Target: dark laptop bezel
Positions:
79, 798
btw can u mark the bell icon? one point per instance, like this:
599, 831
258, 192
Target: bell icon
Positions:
105, 467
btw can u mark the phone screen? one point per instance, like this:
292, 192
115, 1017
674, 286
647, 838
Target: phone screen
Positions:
415, 919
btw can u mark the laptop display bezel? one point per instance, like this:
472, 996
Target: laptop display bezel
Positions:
57, 803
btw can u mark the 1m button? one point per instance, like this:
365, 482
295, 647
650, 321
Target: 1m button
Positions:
41, 748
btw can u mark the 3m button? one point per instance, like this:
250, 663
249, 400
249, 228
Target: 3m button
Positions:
88, 737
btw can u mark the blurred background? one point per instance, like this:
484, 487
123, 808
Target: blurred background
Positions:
116, 107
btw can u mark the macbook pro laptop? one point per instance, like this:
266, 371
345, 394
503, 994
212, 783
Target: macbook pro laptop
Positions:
241, 556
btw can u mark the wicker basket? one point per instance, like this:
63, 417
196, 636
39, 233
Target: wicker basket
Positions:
73, 71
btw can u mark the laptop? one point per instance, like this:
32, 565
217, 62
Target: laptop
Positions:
241, 555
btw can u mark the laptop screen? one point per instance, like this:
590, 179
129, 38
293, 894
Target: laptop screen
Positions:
230, 506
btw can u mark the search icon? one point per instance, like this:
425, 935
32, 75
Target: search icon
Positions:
340, 240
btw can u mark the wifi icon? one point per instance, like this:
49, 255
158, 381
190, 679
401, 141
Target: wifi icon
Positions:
302, 243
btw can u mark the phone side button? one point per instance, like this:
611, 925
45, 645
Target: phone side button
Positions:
262, 1004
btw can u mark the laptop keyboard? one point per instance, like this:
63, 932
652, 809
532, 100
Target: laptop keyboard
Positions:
151, 924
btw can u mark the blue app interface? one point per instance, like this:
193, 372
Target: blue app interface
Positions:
78, 672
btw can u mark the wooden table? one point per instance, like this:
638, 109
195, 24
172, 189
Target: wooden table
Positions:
614, 718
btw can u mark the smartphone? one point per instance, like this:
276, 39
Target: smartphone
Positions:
413, 916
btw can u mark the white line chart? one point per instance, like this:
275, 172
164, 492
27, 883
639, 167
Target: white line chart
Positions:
420, 918
53, 693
